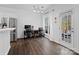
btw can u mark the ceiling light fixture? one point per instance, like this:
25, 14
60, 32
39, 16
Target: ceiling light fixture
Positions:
41, 9
38, 9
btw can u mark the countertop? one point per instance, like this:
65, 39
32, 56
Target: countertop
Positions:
7, 29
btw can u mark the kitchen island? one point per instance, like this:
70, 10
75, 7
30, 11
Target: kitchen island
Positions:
5, 40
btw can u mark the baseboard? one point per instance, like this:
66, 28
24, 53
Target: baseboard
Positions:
77, 52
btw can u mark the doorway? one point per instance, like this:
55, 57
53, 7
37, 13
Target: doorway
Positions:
13, 24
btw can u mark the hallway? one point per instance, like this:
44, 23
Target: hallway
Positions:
38, 46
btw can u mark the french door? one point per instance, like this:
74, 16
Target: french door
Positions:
67, 29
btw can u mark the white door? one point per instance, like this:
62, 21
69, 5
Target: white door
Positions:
67, 29
46, 25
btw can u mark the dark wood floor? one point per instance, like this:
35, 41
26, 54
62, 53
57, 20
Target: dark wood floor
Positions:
38, 46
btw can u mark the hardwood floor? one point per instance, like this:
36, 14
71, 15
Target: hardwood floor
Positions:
38, 46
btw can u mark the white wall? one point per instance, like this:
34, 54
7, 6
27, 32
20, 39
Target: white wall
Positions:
24, 17
28, 17
55, 32
75, 14
54, 27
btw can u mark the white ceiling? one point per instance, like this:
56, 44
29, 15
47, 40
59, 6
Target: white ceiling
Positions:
25, 6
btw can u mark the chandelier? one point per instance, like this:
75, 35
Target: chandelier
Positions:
41, 9
38, 9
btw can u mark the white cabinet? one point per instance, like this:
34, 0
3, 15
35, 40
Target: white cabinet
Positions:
5, 40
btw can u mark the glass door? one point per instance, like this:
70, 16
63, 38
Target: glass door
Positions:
67, 29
